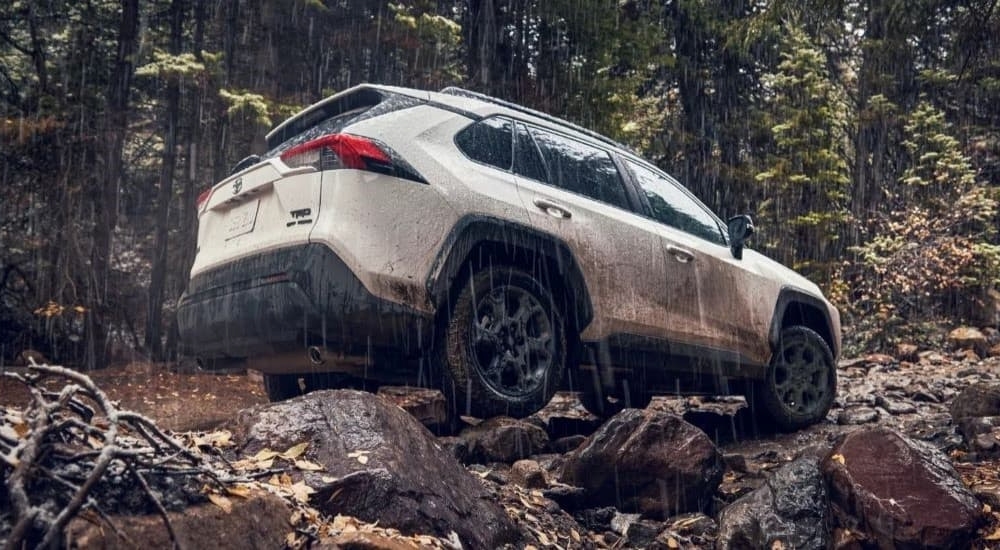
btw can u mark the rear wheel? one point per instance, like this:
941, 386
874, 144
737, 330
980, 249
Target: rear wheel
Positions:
504, 345
801, 382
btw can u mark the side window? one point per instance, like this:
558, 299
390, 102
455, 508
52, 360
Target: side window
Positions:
527, 160
580, 168
490, 141
674, 207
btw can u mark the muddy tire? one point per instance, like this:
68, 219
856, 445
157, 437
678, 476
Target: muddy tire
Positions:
504, 346
801, 381
280, 387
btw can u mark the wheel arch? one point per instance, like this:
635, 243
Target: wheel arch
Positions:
478, 239
795, 307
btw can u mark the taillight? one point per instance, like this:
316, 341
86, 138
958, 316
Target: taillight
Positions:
202, 199
338, 151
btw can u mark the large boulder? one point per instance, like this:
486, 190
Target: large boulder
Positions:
504, 439
903, 493
969, 338
791, 510
975, 400
379, 465
646, 461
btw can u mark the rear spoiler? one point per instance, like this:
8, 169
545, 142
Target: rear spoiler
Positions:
359, 97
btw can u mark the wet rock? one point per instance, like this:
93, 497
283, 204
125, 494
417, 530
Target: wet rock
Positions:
529, 474
643, 532
427, 406
789, 511
621, 522
380, 465
596, 519
504, 439
456, 447
907, 352
358, 540
879, 359
969, 337
647, 461
982, 399
857, 416
931, 357
260, 521
902, 492
568, 497
565, 416
968, 355
895, 407
567, 444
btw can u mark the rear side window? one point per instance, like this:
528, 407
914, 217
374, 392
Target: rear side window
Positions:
527, 159
581, 168
489, 141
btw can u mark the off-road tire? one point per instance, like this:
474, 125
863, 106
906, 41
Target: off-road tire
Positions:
479, 329
801, 381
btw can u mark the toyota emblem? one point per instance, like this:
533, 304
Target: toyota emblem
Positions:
237, 185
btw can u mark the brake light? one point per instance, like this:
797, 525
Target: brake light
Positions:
203, 199
339, 151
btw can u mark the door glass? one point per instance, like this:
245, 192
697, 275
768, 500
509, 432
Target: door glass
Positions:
580, 168
527, 160
674, 207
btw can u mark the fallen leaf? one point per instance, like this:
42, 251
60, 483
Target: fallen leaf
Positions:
221, 502
238, 491
672, 543
574, 535
265, 454
9, 433
778, 545
295, 451
363, 459
838, 458
308, 466
542, 538
301, 491
995, 535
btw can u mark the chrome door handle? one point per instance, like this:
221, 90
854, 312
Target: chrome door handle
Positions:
553, 209
681, 255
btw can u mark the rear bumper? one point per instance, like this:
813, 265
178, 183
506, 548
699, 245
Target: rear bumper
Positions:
289, 299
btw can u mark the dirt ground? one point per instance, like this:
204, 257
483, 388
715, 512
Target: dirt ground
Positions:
178, 401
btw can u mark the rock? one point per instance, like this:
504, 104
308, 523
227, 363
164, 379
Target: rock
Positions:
879, 359
566, 444
565, 416
380, 465
646, 461
25, 357
427, 406
856, 416
643, 532
907, 352
969, 337
994, 351
930, 357
529, 474
456, 447
789, 511
968, 355
596, 519
568, 498
904, 493
982, 399
895, 407
504, 439
259, 521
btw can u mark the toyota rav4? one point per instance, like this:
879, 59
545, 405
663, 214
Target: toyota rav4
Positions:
453, 240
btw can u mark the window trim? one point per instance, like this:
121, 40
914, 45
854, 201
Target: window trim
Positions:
647, 208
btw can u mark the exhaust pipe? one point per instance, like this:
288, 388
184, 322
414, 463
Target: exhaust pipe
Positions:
316, 355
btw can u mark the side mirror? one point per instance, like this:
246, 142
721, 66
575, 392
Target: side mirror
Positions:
740, 230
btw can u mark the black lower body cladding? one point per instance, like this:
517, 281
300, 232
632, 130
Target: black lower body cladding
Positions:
289, 299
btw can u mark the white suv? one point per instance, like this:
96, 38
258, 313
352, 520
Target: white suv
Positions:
458, 241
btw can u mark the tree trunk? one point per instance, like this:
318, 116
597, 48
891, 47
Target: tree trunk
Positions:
154, 317
106, 203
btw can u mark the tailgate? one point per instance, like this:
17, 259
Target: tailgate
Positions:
264, 207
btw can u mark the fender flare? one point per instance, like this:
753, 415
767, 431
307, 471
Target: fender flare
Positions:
474, 230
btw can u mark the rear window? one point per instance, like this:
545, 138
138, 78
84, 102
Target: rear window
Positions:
489, 141
332, 117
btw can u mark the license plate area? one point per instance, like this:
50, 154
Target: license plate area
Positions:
241, 219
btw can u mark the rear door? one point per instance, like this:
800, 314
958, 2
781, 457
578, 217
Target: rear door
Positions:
574, 190
264, 207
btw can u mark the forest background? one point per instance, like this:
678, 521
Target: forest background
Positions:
863, 136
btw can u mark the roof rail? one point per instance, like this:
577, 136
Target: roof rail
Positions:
462, 92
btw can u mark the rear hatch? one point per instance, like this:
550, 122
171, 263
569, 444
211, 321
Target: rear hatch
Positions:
274, 203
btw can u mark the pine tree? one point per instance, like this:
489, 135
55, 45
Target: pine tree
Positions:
806, 175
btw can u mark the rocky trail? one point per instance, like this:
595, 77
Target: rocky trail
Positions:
909, 457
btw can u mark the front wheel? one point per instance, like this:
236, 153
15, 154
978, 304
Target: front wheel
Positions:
801, 382
504, 345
